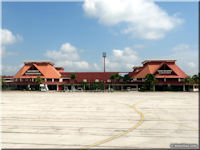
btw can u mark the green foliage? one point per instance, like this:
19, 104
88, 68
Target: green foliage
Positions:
143, 88
169, 87
73, 76
188, 79
150, 81
126, 78
195, 79
84, 85
2, 82
38, 80
100, 85
93, 86
115, 77
96, 85
112, 77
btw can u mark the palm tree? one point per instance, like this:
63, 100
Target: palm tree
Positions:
118, 77
83, 84
2, 83
112, 78
126, 78
150, 80
38, 81
100, 85
73, 78
195, 79
188, 80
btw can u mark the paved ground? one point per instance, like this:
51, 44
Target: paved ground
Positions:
98, 120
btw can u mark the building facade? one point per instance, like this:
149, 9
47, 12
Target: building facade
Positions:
167, 73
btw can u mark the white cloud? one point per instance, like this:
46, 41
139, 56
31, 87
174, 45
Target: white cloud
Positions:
187, 58
68, 57
8, 38
144, 18
72, 66
191, 64
10, 70
66, 52
97, 67
122, 60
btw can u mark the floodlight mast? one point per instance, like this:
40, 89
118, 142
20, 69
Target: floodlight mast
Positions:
104, 56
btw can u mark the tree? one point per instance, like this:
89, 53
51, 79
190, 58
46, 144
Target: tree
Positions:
188, 79
118, 77
100, 85
83, 84
195, 79
38, 81
73, 78
93, 86
2, 82
113, 78
150, 80
126, 78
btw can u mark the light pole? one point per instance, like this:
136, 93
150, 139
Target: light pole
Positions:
104, 56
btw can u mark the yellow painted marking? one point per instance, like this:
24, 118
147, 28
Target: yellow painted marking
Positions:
123, 133
135, 126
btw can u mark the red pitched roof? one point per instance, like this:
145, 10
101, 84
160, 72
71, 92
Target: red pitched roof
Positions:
151, 67
46, 69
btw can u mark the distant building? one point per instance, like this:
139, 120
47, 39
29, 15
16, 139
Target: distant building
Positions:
166, 72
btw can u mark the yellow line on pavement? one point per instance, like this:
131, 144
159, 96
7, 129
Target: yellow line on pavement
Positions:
123, 133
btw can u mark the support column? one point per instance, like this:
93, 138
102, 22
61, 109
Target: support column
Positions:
137, 87
184, 87
153, 87
28, 86
57, 88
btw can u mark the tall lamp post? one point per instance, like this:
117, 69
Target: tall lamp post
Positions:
104, 56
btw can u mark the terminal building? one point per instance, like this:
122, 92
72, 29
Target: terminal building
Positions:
166, 72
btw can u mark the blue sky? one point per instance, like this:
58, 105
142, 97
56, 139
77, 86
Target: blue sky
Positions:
74, 34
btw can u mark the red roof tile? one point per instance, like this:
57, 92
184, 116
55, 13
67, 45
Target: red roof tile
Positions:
89, 76
151, 67
46, 69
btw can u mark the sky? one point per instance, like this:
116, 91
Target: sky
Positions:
74, 34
